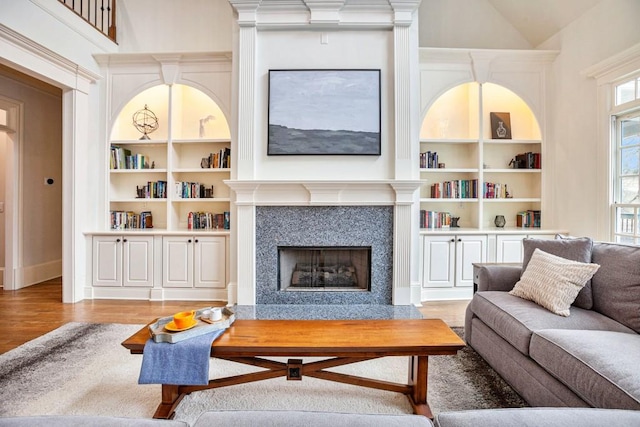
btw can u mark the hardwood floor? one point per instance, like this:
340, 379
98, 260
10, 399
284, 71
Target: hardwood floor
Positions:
33, 311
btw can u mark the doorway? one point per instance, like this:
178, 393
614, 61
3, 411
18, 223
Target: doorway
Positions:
31, 152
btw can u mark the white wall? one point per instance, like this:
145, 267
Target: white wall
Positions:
466, 24
608, 28
174, 25
345, 49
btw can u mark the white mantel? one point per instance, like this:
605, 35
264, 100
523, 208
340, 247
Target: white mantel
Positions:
323, 193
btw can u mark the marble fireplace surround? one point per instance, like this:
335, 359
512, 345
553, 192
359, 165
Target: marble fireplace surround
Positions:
382, 208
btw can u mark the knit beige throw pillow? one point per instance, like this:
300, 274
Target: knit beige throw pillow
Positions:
552, 281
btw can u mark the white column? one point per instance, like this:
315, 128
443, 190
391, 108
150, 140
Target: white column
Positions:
75, 194
406, 263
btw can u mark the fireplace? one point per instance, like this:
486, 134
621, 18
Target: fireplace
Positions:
324, 268
330, 235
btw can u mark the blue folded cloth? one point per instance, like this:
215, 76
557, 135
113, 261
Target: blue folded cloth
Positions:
183, 363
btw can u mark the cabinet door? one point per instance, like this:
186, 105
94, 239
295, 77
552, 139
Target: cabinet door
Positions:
210, 262
469, 249
438, 262
137, 261
177, 253
509, 248
107, 261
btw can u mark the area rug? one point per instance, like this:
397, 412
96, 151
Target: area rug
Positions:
81, 369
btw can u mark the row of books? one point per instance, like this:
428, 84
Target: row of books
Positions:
193, 190
529, 218
121, 220
208, 221
221, 159
152, 190
493, 190
429, 160
527, 160
433, 219
121, 158
456, 189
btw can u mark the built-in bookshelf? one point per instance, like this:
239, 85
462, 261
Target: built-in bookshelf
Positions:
173, 178
468, 172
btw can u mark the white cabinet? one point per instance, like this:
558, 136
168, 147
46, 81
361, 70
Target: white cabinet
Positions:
509, 247
121, 260
193, 261
448, 259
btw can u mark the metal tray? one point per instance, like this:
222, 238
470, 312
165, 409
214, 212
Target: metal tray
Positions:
160, 334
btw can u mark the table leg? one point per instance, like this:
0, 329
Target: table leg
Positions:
171, 396
418, 377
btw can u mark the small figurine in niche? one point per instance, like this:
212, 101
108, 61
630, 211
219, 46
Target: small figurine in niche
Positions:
153, 164
454, 221
507, 195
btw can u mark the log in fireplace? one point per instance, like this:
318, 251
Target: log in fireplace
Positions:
333, 268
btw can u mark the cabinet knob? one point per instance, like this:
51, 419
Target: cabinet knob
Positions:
118, 240
459, 240
189, 241
452, 240
196, 240
124, 240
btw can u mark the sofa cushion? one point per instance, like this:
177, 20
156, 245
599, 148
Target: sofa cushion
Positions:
616, 285
278, 418
552, 281
599, 366
515, 319
548, 417
575, 249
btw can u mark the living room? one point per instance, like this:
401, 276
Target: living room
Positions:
565, 90
568, 66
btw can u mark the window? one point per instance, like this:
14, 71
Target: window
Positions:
626, 137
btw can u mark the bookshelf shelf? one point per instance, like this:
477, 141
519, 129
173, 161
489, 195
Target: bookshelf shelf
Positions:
448, 200
202, 200
202, 170
449, 170
148, 171
513, 170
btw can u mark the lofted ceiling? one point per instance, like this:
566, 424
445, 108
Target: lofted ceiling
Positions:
538, 20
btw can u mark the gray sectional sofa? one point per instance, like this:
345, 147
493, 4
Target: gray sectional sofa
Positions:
549, 417
590, 358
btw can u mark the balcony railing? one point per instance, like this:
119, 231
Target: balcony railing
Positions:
100, 14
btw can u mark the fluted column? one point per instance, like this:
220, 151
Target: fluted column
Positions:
406, 283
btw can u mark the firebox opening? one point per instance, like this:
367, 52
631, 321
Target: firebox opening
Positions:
326, 268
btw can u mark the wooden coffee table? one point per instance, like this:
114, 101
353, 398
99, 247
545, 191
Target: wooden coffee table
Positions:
344, 341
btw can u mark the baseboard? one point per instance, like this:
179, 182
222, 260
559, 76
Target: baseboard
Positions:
444, 294
39, 273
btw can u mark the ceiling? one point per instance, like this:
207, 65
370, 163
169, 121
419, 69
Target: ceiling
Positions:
538, 20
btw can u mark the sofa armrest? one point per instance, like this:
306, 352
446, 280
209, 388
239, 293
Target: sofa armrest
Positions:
497, 277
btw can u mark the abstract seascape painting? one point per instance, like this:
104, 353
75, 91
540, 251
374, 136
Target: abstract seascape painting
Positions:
324, 112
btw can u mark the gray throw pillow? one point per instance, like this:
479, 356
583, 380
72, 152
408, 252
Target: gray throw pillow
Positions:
574, 249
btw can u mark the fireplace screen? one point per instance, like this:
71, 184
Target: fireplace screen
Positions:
324, 268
